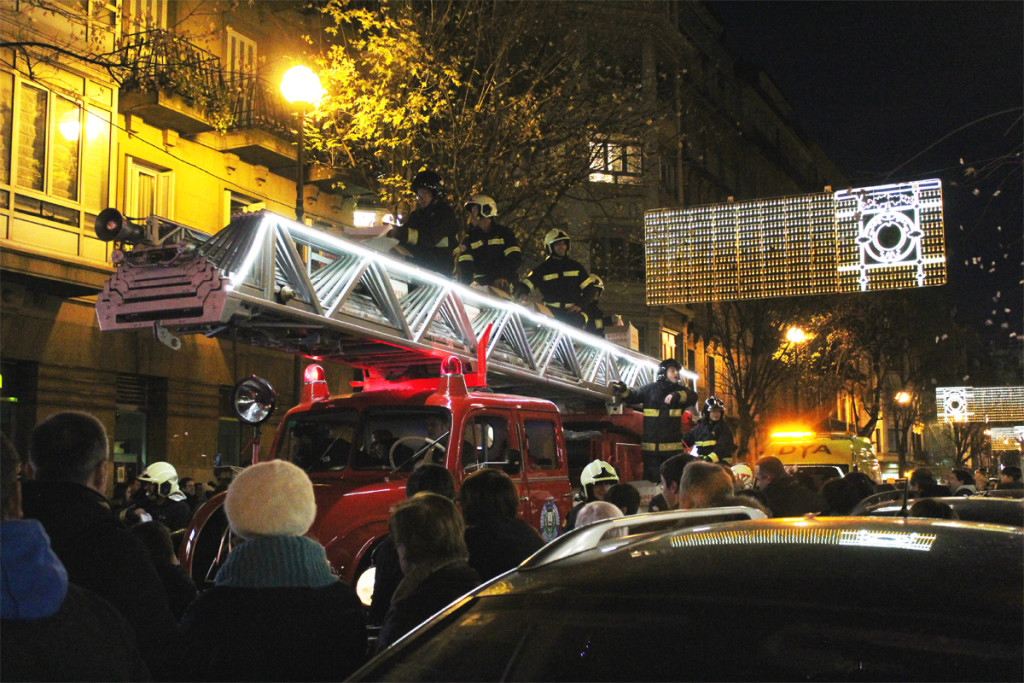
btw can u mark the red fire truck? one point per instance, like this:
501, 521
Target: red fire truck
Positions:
453, 375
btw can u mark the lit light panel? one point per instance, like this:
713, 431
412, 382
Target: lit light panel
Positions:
1006, 438
979, 404
857, 240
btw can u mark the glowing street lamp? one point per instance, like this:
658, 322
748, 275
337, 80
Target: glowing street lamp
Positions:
301, 88
902, 397
796, 336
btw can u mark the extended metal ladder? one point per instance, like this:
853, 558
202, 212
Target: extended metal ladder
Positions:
273, 282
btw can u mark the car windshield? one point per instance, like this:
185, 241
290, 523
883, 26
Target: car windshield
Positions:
319, 441
672, 637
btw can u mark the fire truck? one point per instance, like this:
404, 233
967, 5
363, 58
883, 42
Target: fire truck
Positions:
451, 374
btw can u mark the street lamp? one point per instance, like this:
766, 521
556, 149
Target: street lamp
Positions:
301, 88
796, 336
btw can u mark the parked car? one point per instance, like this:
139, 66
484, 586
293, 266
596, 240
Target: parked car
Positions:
985, 509
831, 598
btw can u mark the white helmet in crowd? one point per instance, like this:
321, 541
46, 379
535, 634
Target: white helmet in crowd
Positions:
743, 475
598, 472
488, 207
165, 477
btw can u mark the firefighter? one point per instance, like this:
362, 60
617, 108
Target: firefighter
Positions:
164, 502
428, 234
593, 288
712, 436
596, 478
664, 401
490, 253
560, 279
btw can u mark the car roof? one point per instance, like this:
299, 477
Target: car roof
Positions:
913, 561
991, 510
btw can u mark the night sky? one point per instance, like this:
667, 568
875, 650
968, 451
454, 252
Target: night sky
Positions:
900, 91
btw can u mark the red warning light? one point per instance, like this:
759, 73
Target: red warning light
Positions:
313, 373
451, 366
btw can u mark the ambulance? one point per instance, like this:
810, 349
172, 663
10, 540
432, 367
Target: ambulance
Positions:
825, 454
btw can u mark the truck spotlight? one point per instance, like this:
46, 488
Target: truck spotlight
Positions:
253, 400
111, 226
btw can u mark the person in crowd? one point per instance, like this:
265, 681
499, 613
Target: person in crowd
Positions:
559, 279
980, 480
704, 485
711, 436
923, 484
961, 482
430, 536
597, 477
1010, 478
935, 509
842, 495
276, 612
670, 473
52, 629
598, 510
664, 400
593, 288
624, 496
490, 254
164, 501
428, 235
68, 458
864, 484
195, 493
388, 573
181, 589
785, 496
496, 538
742, 476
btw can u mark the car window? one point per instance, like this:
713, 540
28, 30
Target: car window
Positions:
540, 444
615, 637
488, 436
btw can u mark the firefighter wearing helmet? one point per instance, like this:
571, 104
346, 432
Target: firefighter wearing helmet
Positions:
593, 288
490, 254
664, 400
164, 501
711, 436
597, 477
429, 233
559, 279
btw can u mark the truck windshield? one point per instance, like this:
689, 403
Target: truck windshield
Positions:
395, 437
320, 441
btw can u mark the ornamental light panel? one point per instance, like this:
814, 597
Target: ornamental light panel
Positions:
857, 240
980, 404
1007, 438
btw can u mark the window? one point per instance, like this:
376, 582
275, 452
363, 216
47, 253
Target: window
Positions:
618, 258
146, 15
239, 203
710, 378
668, 343
149, 190
691, 360
239, 59
616, 162
540, 444
488, 435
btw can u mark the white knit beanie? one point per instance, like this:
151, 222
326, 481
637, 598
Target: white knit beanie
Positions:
272, 498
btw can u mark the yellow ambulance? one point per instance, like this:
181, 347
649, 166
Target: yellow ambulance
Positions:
825, 453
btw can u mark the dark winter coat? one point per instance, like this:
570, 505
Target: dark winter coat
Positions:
387, 576
99, 554
786, 497
499, 544
417, 599
561, 282
430, 236
488, 256
712, 439
663, 423
53, 630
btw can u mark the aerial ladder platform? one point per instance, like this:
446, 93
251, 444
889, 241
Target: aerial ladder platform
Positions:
273, 282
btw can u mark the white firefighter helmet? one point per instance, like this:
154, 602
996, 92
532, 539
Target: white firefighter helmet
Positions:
488, 207
598, 472
556, 235
165, 477
743, 475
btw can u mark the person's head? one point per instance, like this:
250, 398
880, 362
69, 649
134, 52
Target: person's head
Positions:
743, 476
862, 482
841, 495
436, 427
273, 498
671, 472
594, 287
1009, 475
427, 529
714, 409
557, 243
10, 487
431, 477
597, 510
428, 187
980, 480
922, 479
669, 369
482, 209
157, 539
72, 447
488, 494
703, 485
960, 477
597, 477
161, 480
930, 507
626, 497
187, 486
767, 470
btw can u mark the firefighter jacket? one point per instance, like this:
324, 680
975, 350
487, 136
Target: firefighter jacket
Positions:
712, 439
561, 282
429, 235
488, 256
663, 423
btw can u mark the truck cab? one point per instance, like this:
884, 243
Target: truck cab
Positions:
359, 448
825, 453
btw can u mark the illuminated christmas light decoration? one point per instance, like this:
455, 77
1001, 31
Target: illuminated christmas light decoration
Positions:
1006, 438
858, 240
979, 404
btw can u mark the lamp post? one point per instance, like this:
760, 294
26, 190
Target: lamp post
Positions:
301, 88
904, 415
796, 336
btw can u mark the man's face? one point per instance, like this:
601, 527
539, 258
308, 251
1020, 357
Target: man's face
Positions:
672, 373
424, 197
761, 479
189, 488
560, 248
715, 415
671, 493
600, 490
